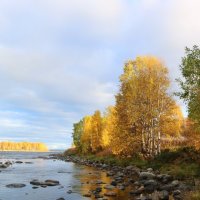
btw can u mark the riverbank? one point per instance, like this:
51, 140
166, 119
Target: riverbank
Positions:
172, 174
30, 176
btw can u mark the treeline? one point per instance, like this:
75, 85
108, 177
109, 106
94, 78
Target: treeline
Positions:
144, 120
23, 146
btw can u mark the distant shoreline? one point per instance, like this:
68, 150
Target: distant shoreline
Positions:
24, 151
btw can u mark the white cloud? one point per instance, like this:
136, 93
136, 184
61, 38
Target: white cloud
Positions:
60, 60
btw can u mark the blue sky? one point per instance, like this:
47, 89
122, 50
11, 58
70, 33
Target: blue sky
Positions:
61, 59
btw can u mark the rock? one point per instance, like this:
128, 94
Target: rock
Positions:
98, 190
168, 187
43, 186
114, 183
45, 183
119, 174
176, 192
167, 178
144, 198
3, 166
121, 187
104, 166
87, 195
35, 182
98, 196
35, 187
28, 162
8, 163
163, 195
109, 187
110, 194
139, 191
150, 186
164, 178
129, 168
16, 185
136, 183
60, 199
175, 183
150, 170
98, 182
69, 191
146, 175
177, 197
110, 174
52, 181
19, 162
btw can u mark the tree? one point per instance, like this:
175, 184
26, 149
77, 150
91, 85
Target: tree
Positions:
77, 133
190, 85
86, 136
141, 104
96, 132
23, 146
109, 127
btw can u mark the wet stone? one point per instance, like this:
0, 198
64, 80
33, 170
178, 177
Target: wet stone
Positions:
109, 187
163, 195
111, 194
87, 195
114, 183
35, 187
16, 185
69, 191
19, 162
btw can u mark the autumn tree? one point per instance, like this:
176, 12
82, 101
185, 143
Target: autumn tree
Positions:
141, 104
86, 135
96, 132
190, 84
191, 134
109, 127
23, 146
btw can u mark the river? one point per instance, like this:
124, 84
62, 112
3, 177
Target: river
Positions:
75, 180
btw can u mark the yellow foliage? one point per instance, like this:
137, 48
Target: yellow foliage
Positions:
23, 146
144, 113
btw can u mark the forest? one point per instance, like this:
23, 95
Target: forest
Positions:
146, 119
23, 146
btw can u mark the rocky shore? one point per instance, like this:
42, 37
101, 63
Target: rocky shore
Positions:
142, 184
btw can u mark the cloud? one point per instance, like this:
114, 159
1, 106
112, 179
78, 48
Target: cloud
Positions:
60, 60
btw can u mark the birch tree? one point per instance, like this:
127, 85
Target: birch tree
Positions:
142, 102
96, 132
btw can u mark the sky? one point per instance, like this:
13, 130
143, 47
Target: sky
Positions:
61, 59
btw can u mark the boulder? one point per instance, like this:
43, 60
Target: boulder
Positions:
19, 162
150, 186
163, 195
16, 185
3, 166
109, 187
146, 175
45, 183
110, 194
139, 191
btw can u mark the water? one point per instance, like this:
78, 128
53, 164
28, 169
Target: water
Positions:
79, 179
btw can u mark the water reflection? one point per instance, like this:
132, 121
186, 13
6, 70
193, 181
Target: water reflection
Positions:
78, 179
91, 179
